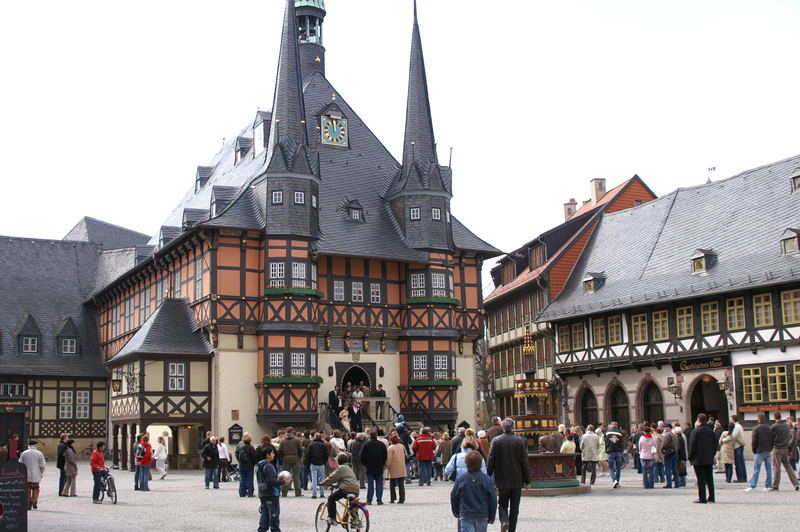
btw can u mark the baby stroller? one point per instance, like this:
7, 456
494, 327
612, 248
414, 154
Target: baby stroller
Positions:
232, 471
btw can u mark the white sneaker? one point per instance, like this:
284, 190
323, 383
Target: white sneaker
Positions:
768, 489
750, 489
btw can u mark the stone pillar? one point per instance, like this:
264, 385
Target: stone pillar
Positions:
124, 446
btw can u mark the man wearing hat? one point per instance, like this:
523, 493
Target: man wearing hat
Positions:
34, 462
669, 448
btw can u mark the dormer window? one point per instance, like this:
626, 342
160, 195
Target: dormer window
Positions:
277, 197
789, 242
795, 179
355, 214
703, 260
414, 211
436, 214
592, 282
299, 198
30, 344
69, 346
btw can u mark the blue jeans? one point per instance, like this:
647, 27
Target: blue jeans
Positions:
144, 477
738, 461
408, 472
647, 473
473, 525
317, 475
212, 475
766, 459
98, 484
136, 475
671, 468
615, 462
659, 472
270, 514
425, 471
374, 484
246, 481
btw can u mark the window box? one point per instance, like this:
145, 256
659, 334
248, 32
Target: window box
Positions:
436, 300
292, 379
434, 382
292, 292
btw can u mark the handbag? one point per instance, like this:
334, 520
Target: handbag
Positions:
682, 468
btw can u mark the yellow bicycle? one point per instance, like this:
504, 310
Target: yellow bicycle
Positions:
351, 514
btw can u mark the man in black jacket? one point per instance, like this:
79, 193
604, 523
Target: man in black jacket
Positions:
508, 462
210, 454
62, 479
246, 457
761, 441
373, 457
317, 456
702, 449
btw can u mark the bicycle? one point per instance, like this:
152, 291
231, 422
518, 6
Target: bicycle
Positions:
352, 515
109, 487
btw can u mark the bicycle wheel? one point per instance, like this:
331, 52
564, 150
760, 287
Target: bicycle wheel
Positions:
359, 520
321, 518
111, 488
102, 493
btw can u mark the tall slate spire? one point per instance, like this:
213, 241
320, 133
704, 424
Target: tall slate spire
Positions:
287, 149
420, 169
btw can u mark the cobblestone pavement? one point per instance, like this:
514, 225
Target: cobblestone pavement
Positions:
181, 503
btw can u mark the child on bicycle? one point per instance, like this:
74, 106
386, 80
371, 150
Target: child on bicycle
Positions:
269, 491
345, 478
98, 463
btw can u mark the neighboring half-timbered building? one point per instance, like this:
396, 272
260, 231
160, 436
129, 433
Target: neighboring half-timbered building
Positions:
526, 280
687, 304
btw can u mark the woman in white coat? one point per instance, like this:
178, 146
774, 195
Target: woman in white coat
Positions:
160, 456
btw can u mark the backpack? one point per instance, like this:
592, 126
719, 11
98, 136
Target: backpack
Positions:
261, 476
668, 448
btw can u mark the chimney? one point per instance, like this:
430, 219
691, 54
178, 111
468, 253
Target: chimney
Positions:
598, 189
569, 209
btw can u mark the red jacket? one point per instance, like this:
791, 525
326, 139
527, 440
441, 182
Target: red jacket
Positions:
424, 447
147, 459
97, 461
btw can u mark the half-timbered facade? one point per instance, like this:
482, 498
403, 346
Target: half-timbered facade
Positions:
525, 282
687, 304
309, 257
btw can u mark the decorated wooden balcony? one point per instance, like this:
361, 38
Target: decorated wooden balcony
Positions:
426, 400
288, 400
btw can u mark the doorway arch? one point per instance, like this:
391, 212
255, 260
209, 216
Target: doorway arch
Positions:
588, 408
619, 408
708, 399
355, 375
652, 403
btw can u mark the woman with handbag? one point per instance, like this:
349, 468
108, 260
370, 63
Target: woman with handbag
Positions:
396, 468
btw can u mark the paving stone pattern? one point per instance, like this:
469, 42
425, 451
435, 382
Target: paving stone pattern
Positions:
180, 503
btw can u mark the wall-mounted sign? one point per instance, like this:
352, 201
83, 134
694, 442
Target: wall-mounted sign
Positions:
356, 356
234, 415
116, 385
702, 364
176, 414
13, 486
235, 432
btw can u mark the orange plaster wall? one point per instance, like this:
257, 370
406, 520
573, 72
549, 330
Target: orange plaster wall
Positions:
228, 256
228, 282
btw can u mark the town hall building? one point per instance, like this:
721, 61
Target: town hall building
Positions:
304, 256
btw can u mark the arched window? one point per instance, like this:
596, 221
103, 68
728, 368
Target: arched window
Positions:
619, 408
588, 408
653, 403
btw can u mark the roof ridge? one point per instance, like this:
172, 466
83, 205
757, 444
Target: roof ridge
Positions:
52, 241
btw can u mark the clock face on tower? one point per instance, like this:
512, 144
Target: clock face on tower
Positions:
334, 131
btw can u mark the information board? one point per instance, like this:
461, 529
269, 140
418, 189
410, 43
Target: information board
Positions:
13, 502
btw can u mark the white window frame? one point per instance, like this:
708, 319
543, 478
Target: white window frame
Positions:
65, 404
355, 214
436, 213
30, 344
313, 275
277, 271
438, 284
144, 305
176, 283
338, 290
115, 321
9, 389
198, 277
374, 292
82, 404
299, 198
414, 213
129, 314
277, 197
299, 270
357, 291
176, 373
276, 363
69, 346
418, 284
420, 362
314, 200
298, 363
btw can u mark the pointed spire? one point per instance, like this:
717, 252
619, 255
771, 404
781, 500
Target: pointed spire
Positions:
419, 142
288, 134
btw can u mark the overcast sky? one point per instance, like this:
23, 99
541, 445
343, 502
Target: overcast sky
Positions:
108, 107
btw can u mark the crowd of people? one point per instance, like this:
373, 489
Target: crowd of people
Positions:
662, 453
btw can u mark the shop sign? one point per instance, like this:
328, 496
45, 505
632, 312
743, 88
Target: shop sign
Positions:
702, 364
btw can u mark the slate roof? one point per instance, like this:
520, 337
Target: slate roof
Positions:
645, 251
364, 171
50, 281
107, 235
172, 329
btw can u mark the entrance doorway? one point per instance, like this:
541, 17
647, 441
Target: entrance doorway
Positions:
619, 408
588, 408
11, 424
357, 376
707, 398
653, 404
